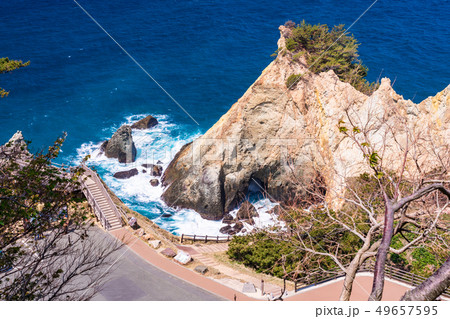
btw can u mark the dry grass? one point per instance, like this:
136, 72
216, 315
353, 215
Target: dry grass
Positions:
222, 258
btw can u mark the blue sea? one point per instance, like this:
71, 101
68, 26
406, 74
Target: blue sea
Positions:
205, 54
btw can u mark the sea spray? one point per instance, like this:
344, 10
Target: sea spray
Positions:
159, 145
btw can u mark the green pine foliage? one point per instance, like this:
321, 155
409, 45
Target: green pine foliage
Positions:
327, 49
264, 254
7, 65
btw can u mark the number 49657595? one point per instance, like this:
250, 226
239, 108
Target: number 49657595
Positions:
407, 310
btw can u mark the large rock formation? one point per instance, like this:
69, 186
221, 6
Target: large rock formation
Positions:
121, 145
16, 146
145, 123
272, 132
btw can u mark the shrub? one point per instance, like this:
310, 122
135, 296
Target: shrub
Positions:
327, 49
292, 79
264, 254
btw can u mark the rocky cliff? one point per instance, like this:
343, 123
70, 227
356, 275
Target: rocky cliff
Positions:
273, 131
121, 145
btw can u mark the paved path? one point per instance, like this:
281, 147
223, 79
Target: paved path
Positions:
362, 287
176, 270
325, 292
133, 278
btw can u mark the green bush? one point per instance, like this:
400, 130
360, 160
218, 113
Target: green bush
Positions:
327, 49
292, 79
264, 254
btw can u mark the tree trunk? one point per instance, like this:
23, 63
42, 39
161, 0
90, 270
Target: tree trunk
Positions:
378, 276
431, 288
352, 269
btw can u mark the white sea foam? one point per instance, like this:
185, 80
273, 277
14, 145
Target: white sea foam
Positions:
159, 144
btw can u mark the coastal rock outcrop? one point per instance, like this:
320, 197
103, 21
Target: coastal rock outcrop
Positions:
276, 137
126, 174
16, 145
145, 123
121, 145
155, 170
154, 182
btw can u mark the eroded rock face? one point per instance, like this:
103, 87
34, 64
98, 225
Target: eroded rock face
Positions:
273, 131
145, 123
121, 145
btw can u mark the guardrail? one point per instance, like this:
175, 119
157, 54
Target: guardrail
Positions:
97, 180
319, 276
123, 214
95, 207
204, 238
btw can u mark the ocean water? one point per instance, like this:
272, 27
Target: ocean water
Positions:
204, 53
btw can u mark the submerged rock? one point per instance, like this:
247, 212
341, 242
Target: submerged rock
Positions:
126, 174
228, 219
121, 145
154, 182
271, 132
145, 123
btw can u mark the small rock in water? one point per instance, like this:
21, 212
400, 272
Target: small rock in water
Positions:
201, 269
249, 288
126, 174
166, 215
155, 170
227, 219
225, 229
145, 123
238, 226
159, 162
154, 182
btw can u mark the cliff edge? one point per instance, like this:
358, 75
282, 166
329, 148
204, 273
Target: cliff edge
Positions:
274, 132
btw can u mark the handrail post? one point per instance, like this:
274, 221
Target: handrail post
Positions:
206, 239
182, 235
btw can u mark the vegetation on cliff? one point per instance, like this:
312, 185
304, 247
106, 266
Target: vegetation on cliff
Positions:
7, 65
48, 245
325, 50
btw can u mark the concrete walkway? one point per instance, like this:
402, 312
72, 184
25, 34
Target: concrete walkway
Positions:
134, 279
227, 288
330, 291
147, 253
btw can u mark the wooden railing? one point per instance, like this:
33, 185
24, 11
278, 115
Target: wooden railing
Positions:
92, 201
320, 276
123, 214
205, 238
